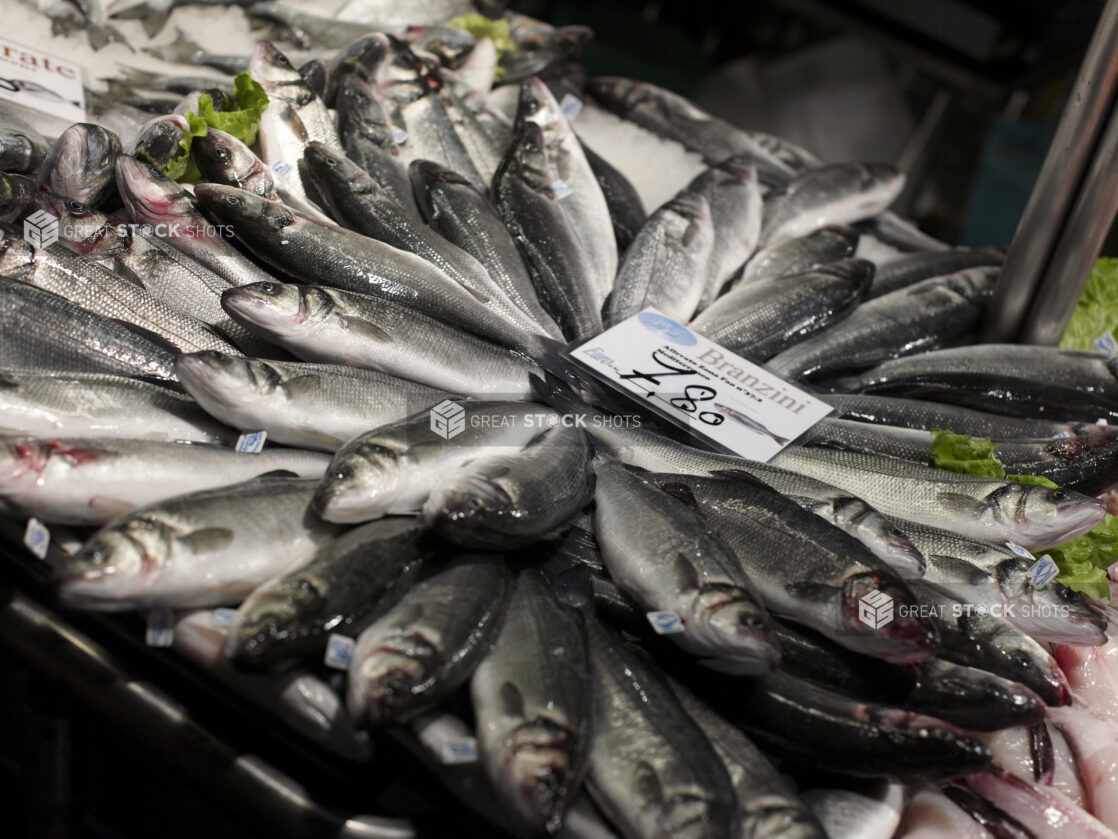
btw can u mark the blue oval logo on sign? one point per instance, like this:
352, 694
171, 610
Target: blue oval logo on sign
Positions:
672, 331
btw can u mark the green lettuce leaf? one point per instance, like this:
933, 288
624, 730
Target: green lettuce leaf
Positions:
497, 31
1096, 311
960, 453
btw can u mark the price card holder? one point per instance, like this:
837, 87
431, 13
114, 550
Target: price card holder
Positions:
729, 403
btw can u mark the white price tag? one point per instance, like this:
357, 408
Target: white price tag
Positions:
223, 617
339, 651
463, 750
399, 135
251, 442
160, 630
42, 82
570, 105
37, 538
1020, 551
665, 623
1043, 571
731, 403
1105, 343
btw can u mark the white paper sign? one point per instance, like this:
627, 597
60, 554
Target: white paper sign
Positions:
34, 79
733, 404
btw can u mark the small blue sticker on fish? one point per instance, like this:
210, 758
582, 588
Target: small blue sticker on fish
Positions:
461, 750
672, 331
1043, 571
1063, 435
339, 651
223, 617
570, 105
37, 538
665, 623
252, 443
560, 189
281, 168
399, 135
160, 629
1020, 551
1105, 343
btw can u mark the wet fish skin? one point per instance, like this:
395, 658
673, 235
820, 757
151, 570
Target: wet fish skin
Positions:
40, 330
431, 135
911, 269
652, 770
40, 403
429, 642
347, 582
515, 500
158, 142
338, 327
531, 699
223, 159
312, 406
664, 555
454, 208
626, 210
77, 174
761, 319
283, 83
393, 468
90, 481
361, 58
205, 548
834, 194
979, 508
667, 265
805, 253
925, 316
21, 152
1011, 379
17, 197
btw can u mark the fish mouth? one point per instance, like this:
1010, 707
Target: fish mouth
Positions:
874, 627
382, 685
349, 504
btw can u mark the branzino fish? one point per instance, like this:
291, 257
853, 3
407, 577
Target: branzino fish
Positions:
763, 318
912, 268
338, 327
77, 175
663, 554
345, 585
223, 159
313, 406
392, 469
831, 244
17, 197
159, 140
531, 698
89, 481
428, 643
1012, 379
626, 210
925, 316
207, 548
978, 508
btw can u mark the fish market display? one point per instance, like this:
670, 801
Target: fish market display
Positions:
287, 334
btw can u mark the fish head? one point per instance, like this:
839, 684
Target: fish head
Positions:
541, 771
159, 140
338, 171
361, 483
363, 56
881, 618
470, 508
1037, 515
897, 550
149, 195
271, 67
447, 45
281, 309
229, 379
728, 621
618, 94
529, 159
78, 172
387, 674
877, 179
537, 104
357, 100
117, 562
224, 159
1024, 660
266, 621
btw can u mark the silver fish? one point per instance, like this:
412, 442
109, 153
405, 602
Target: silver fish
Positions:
831, 244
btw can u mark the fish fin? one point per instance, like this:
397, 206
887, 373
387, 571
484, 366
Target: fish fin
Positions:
740, 475
649, 786
161, 341
960, 569
326, 442
366, 329
512, 701
681, 492
963, 505
683, 568
278, 473
6, 383
154, 21
208, 539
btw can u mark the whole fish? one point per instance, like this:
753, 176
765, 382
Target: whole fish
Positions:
312, 406
303, 28
918, 413
835, 194
911, 269
515, 500
763, 318
314, 252
626, 210
664, 555
347, 582
154, 199
985, 509
805, 569
767, 802
531, 698
159, 140
541, 49
59, 270
528, 195
652, 770
925, 316
1012, 379
668, 262
22, 150
805, 253
361, 58
75, 480
40, 330
454, 208
429, 642
45, 404
393, 468
223, 159
206, 548
77, 175
734, 196
17, 197
337, 327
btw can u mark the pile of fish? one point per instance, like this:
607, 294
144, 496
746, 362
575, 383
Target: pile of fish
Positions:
643, 638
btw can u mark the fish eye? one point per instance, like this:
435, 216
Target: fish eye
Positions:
269, 288
222, 154
75, 206
329, 161
476, 503
1058, 494
233, 200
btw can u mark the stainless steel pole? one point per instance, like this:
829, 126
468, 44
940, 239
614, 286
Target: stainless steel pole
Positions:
1060, 180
